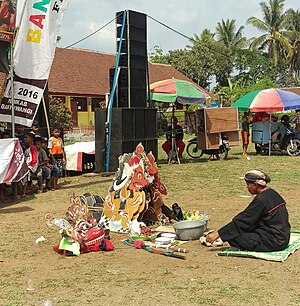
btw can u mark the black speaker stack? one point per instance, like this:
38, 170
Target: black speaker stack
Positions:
131, 121
130, 126
131, 86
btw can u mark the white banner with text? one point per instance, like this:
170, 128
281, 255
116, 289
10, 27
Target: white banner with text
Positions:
33, 56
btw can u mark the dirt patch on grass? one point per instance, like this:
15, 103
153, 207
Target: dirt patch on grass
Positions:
129, 276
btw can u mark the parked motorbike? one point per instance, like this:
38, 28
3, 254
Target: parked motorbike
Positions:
194, 151
290, 143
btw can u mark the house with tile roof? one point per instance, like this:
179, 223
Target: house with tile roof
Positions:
80, 78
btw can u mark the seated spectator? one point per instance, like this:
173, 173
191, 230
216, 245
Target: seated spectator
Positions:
178, 131
52, 165
30, 159
43, 171
20, 135
5, 135
296, 120
2, 191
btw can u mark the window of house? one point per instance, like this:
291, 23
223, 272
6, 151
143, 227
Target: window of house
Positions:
98, 103
81, 104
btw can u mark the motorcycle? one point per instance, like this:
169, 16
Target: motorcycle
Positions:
290, 143
194, 151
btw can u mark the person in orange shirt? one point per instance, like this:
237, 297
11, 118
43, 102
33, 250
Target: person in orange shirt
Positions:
56, 150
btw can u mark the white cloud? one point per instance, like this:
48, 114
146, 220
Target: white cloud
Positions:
189, 17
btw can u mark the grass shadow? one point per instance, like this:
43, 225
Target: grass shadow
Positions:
70, 184
11, 201
15, 210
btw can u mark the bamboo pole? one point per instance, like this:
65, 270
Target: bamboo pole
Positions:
46, 116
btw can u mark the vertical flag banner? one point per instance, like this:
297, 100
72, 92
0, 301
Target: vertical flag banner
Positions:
33, 56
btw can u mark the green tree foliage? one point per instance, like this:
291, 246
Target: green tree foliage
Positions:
157, 55
227, 34
293, 27
275, 38
224, 55
233, 91
206, 58
59, 114
252, 66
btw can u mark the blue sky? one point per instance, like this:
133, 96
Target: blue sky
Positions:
189, 17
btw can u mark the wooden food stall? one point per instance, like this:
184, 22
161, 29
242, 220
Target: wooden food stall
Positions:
212, 122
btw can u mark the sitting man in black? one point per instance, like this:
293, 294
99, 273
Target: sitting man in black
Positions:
263, 225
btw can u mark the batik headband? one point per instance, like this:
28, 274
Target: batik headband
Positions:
258, 177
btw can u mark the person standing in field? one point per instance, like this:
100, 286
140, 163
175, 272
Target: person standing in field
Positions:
56, 150
245, 132
35, 129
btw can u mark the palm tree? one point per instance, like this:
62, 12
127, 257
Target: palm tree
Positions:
226, 33
293, 20
293, 27
273, 24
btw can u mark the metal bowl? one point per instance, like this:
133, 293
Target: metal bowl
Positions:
189, 229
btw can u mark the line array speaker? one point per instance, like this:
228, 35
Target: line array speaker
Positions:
134, 57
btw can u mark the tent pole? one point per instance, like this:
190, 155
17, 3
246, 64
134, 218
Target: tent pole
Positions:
46, 116
270, 134
173, 154
12, 91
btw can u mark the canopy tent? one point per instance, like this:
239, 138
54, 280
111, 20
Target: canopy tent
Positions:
174, 90
268, 100
171, 91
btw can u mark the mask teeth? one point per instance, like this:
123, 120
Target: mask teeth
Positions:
95, 240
